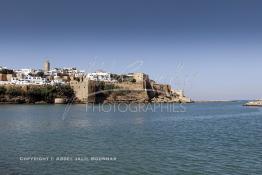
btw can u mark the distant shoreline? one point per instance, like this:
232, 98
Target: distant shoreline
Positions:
208, 101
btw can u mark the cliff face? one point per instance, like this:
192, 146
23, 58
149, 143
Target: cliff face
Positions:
127, 97
165, 94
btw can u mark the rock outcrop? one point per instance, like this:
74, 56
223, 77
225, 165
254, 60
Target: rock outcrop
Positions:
127, 97
171, 99
163, 93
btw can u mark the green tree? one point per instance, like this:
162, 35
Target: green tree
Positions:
14, 91
6, 71
2, 90
35, 94
64, 91
40, 74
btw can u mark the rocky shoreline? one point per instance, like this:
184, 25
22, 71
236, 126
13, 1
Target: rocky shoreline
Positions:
101, 93
26, 100
109, 100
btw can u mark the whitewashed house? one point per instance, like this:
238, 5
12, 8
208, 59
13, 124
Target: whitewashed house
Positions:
99, 76
29, 80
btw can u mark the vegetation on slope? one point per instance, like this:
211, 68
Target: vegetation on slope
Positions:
32, 94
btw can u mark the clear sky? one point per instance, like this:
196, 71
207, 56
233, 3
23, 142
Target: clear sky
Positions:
210, 48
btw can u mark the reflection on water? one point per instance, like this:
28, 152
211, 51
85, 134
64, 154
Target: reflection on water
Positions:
207, 138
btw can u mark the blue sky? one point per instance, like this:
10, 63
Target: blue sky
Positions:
210, 48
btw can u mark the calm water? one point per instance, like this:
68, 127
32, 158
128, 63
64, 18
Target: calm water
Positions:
208, 138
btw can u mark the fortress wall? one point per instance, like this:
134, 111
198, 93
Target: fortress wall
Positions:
83, 90
131, 86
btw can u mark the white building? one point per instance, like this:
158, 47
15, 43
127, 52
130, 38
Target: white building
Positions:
66, 71
55, 82
99, 76
29, 80
36, 80
74, 72
54, 72
25, 71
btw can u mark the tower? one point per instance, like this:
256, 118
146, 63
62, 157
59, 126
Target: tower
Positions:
46, 66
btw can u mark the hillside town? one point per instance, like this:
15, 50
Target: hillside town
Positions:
45, 76
94, 87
